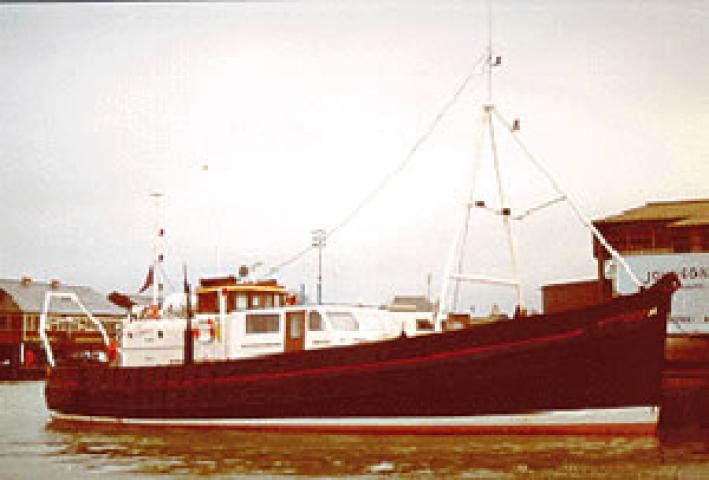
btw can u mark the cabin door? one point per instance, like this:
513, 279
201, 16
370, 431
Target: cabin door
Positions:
295, 331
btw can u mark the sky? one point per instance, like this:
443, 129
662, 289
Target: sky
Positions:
262, 121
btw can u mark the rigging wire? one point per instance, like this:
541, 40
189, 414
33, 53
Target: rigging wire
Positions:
579, 215
404, 163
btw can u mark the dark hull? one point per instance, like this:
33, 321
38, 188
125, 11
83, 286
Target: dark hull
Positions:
608, 356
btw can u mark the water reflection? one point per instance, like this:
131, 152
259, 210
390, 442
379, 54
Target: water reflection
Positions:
180, 451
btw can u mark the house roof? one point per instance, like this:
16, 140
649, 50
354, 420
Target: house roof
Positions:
29, 297
680, 213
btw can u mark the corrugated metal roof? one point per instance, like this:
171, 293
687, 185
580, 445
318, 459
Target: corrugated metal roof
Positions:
30, 298
680, 213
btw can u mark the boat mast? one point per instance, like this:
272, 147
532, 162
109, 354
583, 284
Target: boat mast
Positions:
458, 249
157, 249
504, 206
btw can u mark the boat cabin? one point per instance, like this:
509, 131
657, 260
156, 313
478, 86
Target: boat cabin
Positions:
248, 319
252, 333
229, 294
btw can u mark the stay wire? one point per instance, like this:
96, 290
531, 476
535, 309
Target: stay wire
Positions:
404, 163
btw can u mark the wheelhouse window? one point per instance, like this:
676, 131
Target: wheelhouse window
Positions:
207, 302
263, 323
230, 301
256, 301
269, 301
315, 322
343, 321
242, 301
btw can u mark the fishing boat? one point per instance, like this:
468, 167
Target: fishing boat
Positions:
251, 360
595, 370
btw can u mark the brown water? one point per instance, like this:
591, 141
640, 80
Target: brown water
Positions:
32, 448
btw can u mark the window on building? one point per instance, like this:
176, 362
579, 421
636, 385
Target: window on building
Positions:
266, 323
640, 240
269, 301
680, 243
705, 241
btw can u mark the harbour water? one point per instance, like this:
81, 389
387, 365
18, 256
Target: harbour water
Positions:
31, 447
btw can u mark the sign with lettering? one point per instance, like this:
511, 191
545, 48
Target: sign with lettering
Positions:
690, 304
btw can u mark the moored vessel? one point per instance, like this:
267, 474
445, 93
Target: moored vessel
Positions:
591, 371
253, 362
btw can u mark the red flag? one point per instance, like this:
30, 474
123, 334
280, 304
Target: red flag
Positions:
148, 280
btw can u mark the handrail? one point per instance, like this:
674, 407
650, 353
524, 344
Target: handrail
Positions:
43, 322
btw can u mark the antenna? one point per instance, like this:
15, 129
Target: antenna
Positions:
157, 248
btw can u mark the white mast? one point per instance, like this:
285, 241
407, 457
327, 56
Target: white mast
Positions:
458, 248
157, 249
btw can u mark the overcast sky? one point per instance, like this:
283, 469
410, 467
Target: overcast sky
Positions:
262, 121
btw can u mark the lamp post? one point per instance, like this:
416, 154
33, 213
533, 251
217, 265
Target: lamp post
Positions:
318, 238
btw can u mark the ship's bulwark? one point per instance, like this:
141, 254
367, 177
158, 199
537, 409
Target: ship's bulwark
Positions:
607, 356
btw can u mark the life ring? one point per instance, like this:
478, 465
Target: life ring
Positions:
206, 331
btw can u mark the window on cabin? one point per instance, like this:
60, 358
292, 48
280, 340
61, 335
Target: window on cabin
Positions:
276, 300
315, 322
207, 302
269, 301
343, 321
263, 323
241, 302
255, 301
230, 301
423, 324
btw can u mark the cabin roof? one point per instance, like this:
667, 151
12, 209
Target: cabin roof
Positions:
29, 295
417, 303
677, 214
263, 287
